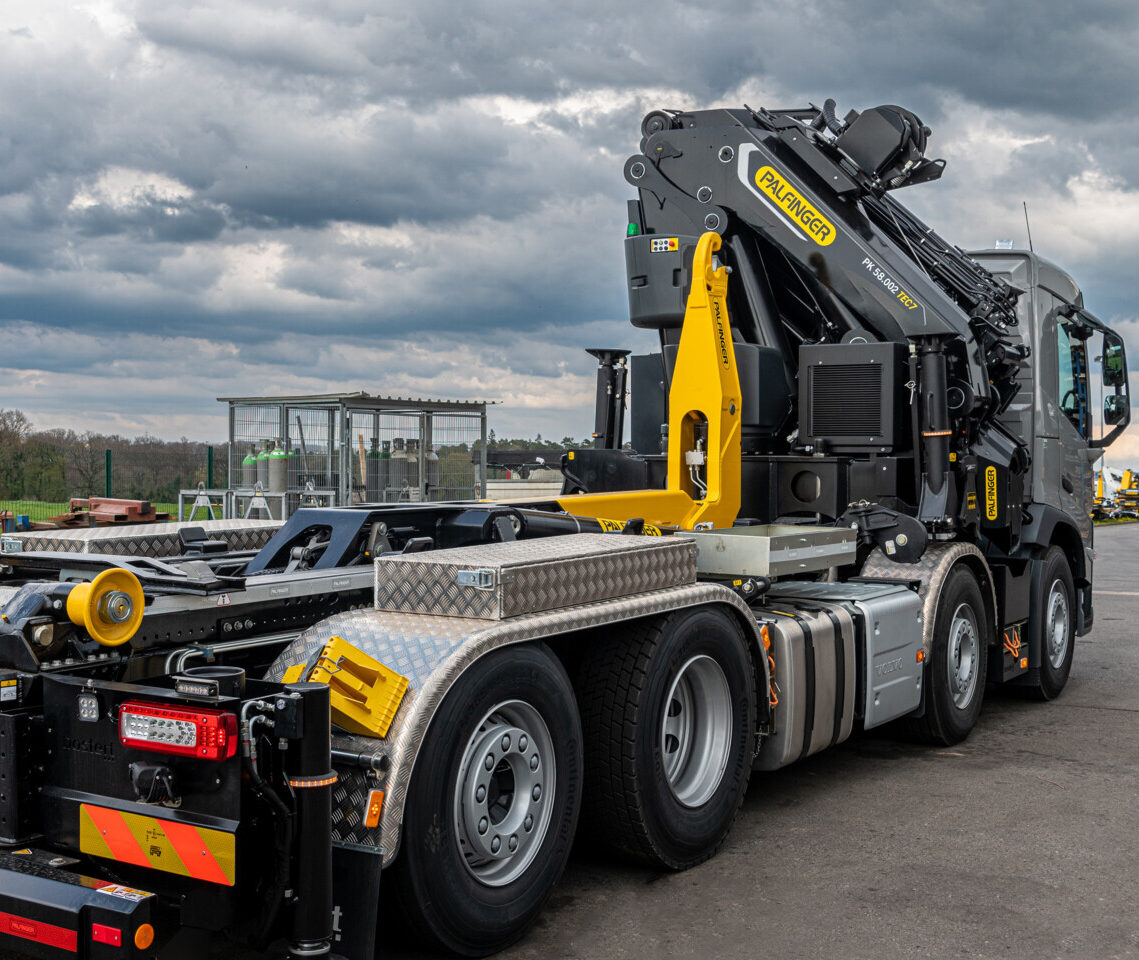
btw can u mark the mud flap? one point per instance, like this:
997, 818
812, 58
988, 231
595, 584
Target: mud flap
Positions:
355, 902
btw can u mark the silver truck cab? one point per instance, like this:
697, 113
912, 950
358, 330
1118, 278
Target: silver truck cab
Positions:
1076, 365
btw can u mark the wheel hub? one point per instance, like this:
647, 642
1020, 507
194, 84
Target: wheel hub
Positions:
961, 656
1057, 624
696, 731
503, 801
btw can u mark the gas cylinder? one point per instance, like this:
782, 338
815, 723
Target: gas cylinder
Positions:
249, 468
372, 487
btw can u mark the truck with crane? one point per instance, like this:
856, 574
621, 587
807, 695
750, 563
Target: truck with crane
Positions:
860, 495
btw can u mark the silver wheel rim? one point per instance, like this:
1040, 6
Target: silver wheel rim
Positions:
962, 655
1057, 621
696, 731
504, 796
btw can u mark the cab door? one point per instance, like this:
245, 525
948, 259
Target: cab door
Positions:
1074, 423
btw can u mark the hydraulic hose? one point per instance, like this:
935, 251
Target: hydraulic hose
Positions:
283, 819
834, 125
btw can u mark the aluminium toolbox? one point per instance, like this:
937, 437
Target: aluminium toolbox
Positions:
888, 635
496, 581
141, 540
815, 672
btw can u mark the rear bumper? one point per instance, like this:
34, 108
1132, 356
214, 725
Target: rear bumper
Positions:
49, 912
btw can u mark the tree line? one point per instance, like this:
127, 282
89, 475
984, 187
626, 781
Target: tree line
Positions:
55, 464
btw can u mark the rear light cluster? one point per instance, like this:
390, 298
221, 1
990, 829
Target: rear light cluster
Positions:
182, 731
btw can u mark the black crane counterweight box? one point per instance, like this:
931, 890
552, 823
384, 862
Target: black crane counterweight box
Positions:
852, 397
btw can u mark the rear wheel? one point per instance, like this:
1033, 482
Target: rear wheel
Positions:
668, 717
493, 803
1057, 619
958, 663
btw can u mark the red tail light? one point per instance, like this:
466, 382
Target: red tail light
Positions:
182, 731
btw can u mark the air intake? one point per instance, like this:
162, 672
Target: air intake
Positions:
848, 396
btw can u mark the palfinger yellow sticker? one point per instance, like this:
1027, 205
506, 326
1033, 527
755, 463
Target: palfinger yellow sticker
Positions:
797, 208
990, 493
616, 526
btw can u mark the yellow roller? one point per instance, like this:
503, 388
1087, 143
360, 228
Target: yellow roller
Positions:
109, 608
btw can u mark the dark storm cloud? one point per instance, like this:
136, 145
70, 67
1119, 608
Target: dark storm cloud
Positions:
300, 185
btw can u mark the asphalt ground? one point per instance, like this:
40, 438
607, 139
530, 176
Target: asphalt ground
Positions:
1020, 842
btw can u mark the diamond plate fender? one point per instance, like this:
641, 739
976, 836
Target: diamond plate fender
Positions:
434, 651
931, 570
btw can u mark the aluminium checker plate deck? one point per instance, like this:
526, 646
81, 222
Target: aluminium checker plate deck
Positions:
434, 649
142, 540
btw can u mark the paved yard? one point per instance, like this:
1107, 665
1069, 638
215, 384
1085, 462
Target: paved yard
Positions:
1020, 842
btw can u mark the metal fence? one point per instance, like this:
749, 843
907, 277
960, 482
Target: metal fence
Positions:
54, 471
355, 448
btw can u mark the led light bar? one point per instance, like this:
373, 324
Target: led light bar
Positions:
182, 731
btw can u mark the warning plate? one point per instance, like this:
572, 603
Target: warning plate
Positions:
170, 845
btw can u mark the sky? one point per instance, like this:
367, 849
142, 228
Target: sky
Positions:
254, 198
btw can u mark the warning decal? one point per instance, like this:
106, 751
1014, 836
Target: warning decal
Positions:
169, 845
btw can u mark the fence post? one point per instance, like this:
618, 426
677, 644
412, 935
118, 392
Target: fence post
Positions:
209, 468
107, 478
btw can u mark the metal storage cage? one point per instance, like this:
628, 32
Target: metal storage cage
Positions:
344, 448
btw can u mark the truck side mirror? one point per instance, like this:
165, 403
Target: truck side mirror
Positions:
1114, 367
1116, 407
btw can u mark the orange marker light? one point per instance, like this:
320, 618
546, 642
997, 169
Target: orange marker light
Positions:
144, 936
375, 808
1024, 663
921, 656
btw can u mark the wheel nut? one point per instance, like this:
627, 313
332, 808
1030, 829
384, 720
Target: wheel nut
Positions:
496, 845
522, 741
480, 794
505, 742
534, 762
483, 824
489, 762
512, 844
536, 793
528, 823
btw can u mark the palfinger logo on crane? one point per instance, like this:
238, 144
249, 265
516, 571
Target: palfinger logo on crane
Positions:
720, 333
800, 211
990, 493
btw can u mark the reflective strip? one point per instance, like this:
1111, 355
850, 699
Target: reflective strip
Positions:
109, 836
168, 845
307, 782
36, 930
195, 852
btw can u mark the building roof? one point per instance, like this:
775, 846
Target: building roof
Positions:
366, 401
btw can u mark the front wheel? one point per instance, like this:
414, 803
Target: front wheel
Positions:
1057, 619
958, 663
668, 714
493, 803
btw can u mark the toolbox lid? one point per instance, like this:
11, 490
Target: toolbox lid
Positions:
494, 581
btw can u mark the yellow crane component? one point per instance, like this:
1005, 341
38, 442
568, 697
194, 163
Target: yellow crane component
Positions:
365, 694
704, 420
109, 608
1127, 496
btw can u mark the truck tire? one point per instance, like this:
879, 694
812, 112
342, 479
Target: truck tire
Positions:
956, 669
1057, 619
492, 805
668, 716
